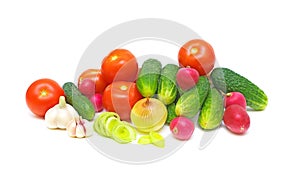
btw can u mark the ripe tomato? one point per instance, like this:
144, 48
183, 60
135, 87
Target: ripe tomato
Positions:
197, 54
120, 97
43, 94
119, 65
96, 76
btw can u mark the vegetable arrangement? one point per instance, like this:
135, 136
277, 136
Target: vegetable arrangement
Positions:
132, 105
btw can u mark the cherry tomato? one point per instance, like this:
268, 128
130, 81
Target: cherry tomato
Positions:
119, 65
120, 97
197, 54
43, 94
96, 76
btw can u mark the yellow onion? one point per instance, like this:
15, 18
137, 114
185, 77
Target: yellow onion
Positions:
148, 114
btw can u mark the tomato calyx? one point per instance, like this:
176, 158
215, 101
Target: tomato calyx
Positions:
43, 93
123, 87
194, 50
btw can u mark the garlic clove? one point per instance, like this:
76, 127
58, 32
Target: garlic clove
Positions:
80, 131
79, 128
88, 128
71, 128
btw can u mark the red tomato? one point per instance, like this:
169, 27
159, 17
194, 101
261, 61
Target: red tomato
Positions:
96, 76
197, 54
119, 65
43, 94
120, 97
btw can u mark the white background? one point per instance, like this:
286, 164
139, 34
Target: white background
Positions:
259, 39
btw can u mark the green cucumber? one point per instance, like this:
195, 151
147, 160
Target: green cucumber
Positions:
203, 87
167, 87
81, 103
171, 113
148, 77
189, 104
211, 114
227, 81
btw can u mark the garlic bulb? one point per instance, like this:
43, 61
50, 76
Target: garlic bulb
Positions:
60, 115
78, 128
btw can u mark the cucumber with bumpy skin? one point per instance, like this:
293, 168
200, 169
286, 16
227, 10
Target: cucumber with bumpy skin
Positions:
167, 87
81, 103
171, 113
191, 101
147, 81
227, 81
211, 114
188, 104
203, 87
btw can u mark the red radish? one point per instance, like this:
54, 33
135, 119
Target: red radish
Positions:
87, 87
187, 78
235, 98
182, 128
96, 100
236, 119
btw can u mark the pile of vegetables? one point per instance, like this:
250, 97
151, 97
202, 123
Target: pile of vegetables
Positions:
131, 103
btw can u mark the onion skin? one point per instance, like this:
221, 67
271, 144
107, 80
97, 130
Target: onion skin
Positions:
149, 114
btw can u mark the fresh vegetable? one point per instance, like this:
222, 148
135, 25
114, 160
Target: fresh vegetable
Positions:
87, 87
187, 78
77, 128
119, 65
157, 139
171, 113
182, 128
108, 124
235, 98
81, 103
60, 115
167, 87
147, 81
188, 104
152, 138
96, 100
94, 75
42, 95
197, 54
145, 139
192, 100
119, 97
212, 111
123, 133
149, 114
236, 119
203, 87
105, 123
227, 81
